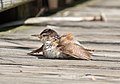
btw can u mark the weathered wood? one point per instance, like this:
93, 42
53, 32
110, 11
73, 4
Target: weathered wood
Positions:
72, 19
104, 67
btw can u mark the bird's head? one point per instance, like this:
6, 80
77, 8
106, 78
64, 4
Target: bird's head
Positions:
47, 35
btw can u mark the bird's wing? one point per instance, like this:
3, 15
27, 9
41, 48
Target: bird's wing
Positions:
38, 51
78, 43
76, 51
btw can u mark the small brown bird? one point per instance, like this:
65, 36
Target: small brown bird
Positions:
60, 47
69, 47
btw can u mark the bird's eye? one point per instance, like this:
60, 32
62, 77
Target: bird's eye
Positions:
57, 37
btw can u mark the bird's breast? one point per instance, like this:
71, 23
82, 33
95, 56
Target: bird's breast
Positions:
52, 52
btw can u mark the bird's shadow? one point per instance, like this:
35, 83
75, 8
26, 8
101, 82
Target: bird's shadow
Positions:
41, 56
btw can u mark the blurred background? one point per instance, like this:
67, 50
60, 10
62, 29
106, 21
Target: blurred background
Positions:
12, 10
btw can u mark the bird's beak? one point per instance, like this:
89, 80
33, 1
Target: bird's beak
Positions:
36, 35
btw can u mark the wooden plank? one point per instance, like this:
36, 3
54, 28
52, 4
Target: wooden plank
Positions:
39, 20
48, 80
55, 62
107, 4
61, 72
87, 25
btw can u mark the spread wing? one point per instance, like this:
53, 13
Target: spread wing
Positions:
76, 51
38, 51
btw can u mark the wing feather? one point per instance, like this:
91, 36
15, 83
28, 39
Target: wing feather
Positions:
76, 51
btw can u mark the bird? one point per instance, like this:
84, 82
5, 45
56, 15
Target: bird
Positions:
55, 46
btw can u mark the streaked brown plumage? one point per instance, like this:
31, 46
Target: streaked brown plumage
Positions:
69, 47
47, 35
60, 47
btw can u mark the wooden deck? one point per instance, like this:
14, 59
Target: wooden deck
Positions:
16, 67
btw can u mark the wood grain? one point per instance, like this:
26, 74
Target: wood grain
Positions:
16, 67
